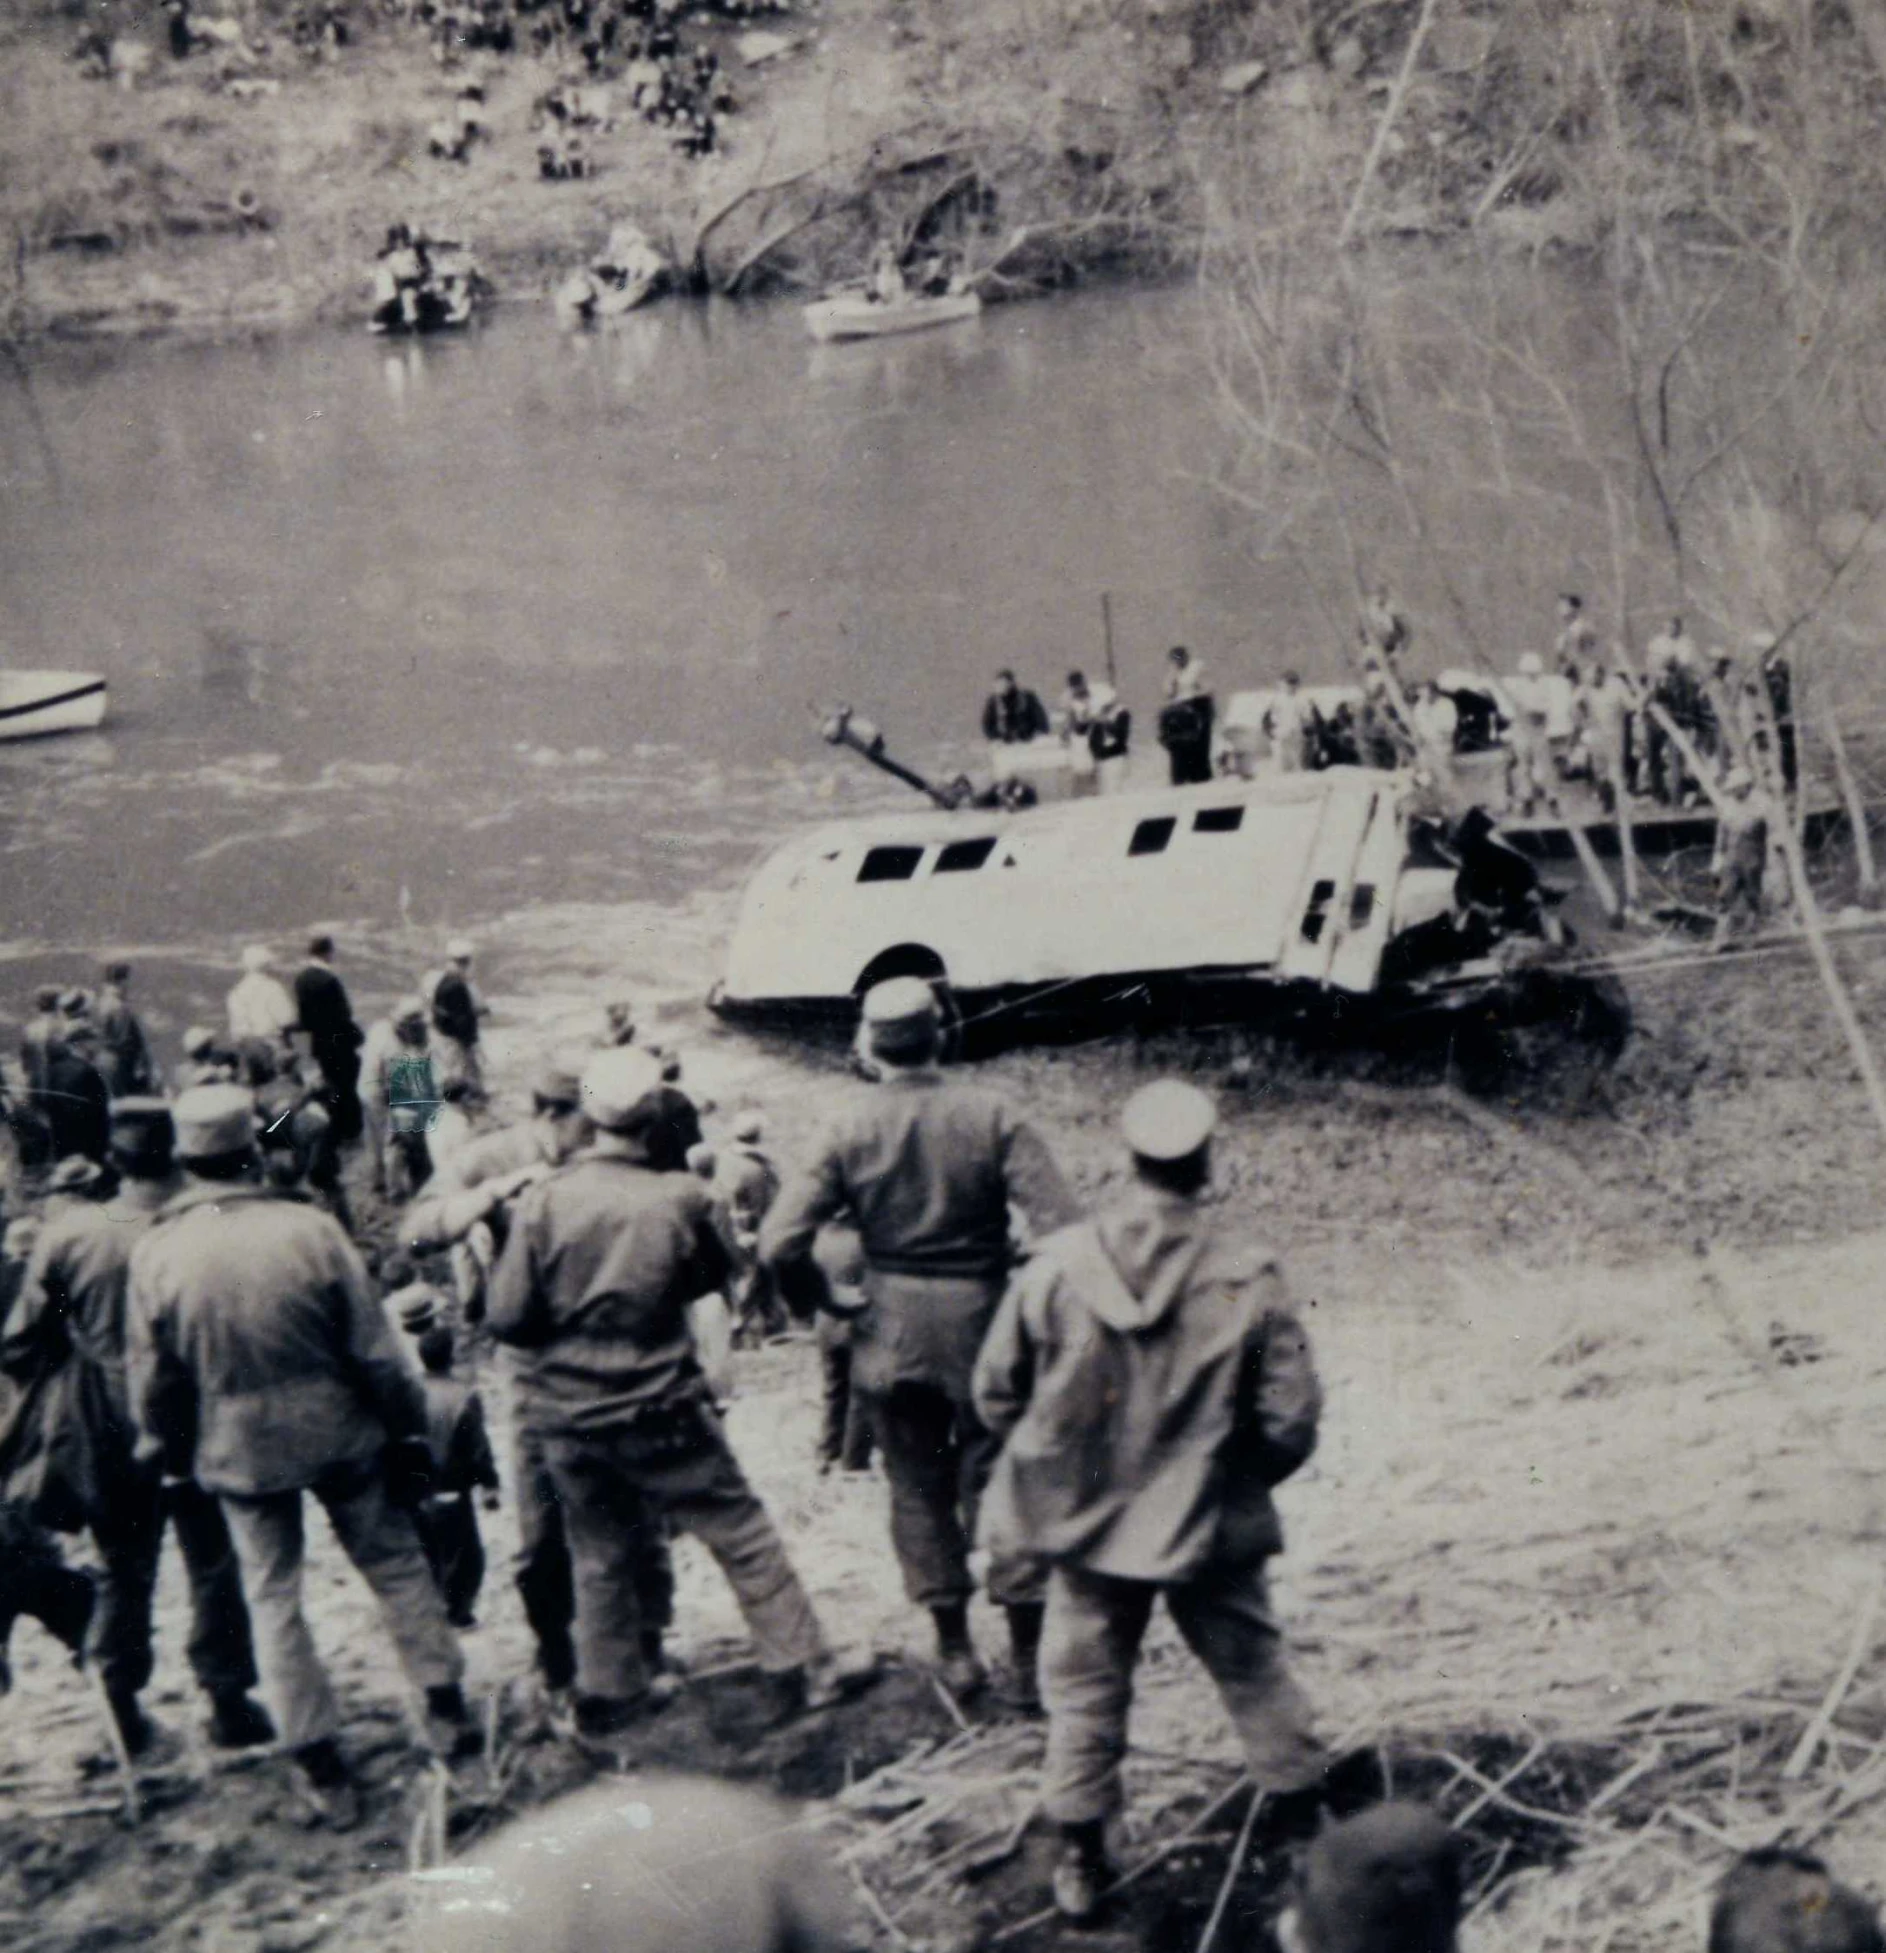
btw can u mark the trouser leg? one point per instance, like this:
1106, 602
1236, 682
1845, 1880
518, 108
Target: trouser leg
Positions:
222, 1645
269, 1545
379, 1538
860, 1437
917, 1431
129, 1539
708, 1496
464, 1561
1014, 1580
544, 1580
603, 1514
835, 1383
1089, 1645
1227, 1622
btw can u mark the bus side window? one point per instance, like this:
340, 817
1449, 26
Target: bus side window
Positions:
1314, 917
960, 856
1151, 837
889, 864
1218, 820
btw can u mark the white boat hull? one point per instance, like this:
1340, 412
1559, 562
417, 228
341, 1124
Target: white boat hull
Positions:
33, 703
855, 317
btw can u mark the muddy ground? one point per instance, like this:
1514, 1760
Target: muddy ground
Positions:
1604, 1443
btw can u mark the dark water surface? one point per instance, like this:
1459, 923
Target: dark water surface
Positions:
414, 638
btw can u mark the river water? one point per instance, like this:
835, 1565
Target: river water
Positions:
454, 636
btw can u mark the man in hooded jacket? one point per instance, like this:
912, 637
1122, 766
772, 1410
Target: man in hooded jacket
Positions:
1152, 1386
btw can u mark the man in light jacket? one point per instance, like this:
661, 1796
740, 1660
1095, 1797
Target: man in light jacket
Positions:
262, 1365
1152, 1386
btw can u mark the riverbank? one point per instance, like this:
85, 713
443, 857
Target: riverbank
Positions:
1040, 140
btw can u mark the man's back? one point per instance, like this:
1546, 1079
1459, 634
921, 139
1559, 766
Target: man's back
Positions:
594, 1282
321, 1001
259, 1303
76, 1103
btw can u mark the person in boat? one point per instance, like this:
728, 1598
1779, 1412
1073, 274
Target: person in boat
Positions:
130, 1068
1093, 713
1185, 719
1378, 724
1287, 725
1012, 714
1741, 855
885, 282
1152, 1385
1781, 1900
1436, 720
928, 1170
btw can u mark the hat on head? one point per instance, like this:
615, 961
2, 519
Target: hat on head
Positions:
74, 1003
1167, 1120
410, 1010
213, 1120
197, 1040
702, 1160
461, 949
1531, 665
558, 1082
143, 1132
1386, 1881
618, 1087
900, 1015
255, 958
749, 1129
46, 997
417, 1306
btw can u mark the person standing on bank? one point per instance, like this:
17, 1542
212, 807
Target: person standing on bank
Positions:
592, 1290
1152, 1386
1185, 720
130, 1068
456, 1008
69, 1320
326, 1018
926, 1169
262, 1366
260, 1009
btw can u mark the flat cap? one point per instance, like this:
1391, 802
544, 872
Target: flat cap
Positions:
1167, 1120
1386, 1881
212, 1120
410, 1010
749, 1129
559, 1082
619, 1086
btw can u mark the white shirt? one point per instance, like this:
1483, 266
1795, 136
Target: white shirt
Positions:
260, 1007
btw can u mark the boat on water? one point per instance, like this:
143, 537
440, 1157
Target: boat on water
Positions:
627, 272
425, 285
856, 315
35, 703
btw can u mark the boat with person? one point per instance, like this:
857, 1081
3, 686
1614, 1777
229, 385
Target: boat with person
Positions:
858, 315
36, 703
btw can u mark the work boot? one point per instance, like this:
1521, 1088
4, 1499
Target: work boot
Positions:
608, 1728
450, 1731
957, 1667
326, 1786
239, 1722
1081, 1873
820, 1684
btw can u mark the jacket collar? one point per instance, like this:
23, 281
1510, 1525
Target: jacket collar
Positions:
224, 1193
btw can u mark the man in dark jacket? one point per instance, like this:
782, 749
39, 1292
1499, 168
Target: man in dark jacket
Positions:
1012, 715
262, 1365
130, 1069
75, 1100
1152, 1386
334, 1038
927, 1170
70, 1318
592, 1291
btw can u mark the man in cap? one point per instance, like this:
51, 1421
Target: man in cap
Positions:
130, 1069
260, 1007
926, 1168
1185, 720
1778, 1900
745, 1183
1384, 1881
326, 1018
1012, 714
1152, 1386
592, 1290
262, 1365
402, 1098
666, 1864
75, 1101
70, 1316
455, 1006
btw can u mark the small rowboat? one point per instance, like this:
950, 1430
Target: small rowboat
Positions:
36, 702
850, 315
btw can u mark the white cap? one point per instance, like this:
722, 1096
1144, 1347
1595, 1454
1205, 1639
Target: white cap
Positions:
255, 958
461, 949
212, 1120
900, 1015
1167, 1120
1531, 665
618, 1084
